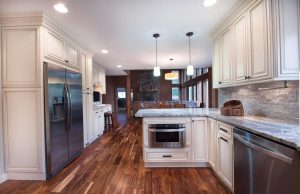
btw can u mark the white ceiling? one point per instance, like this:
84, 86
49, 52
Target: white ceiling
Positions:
125, 29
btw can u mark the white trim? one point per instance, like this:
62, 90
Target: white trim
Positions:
177, 164
3, 178
25, 176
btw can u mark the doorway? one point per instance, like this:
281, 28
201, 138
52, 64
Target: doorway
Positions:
121, 103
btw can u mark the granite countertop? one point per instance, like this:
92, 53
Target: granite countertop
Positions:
282, 131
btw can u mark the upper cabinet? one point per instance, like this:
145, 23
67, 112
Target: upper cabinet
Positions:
99, 79
59, 50
258, 42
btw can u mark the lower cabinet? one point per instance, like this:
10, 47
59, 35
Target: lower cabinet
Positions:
199, 137
98, 124
212, 142
225, 154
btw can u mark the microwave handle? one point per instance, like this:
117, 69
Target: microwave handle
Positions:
167, 130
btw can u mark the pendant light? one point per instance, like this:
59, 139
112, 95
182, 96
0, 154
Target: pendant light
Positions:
156, 70
172, 75
190, 68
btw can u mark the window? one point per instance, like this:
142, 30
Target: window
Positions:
205, 70
121, 94
199, 72
190, 93
199, 92
205, 93
175, 81
175, 93
195, 93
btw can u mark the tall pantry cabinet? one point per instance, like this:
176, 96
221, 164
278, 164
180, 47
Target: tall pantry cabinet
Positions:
26, 42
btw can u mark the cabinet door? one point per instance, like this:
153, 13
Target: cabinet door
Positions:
101, 123
216, 62
71, 55
226, 57
259, 64
199, 137
289, 35
239, 54
225, 160
95, 124
54, 46
21, 65
88, 117
83, 64
95, 76
212, 142
102, 81
89, 74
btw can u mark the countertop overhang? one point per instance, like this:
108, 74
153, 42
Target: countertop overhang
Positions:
282, 131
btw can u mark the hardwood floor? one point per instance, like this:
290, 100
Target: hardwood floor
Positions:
114, 164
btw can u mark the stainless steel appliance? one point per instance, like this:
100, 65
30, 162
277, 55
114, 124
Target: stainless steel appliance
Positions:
166, 135
262, 166
63, 117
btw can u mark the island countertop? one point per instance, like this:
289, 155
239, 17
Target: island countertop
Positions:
283, 131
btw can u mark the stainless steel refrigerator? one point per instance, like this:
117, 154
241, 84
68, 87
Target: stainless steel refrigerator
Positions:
63, 117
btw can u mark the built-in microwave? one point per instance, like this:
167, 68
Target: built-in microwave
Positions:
97, 97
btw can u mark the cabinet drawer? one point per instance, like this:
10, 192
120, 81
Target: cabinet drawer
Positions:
225, 130
166, 156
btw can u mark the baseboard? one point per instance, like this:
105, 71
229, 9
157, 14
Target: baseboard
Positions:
25, 176
176, 164
3, 178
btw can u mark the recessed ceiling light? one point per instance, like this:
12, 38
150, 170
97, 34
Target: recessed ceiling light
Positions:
119, 66
61, 8
208, 3
104, 51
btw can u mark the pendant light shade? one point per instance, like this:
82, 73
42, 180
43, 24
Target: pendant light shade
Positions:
156, 70
171, 75
190, 67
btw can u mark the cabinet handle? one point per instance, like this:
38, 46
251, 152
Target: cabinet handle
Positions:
96, 112
223, 139
224, 130
167, 156
87, 88
248, 77
66, 61
220, 82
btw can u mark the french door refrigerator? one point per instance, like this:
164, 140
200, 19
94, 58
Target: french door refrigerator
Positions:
63, 117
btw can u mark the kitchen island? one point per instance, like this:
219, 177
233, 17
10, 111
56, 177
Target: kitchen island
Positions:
195, 137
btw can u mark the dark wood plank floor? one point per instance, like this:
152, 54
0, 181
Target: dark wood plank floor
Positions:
114, 164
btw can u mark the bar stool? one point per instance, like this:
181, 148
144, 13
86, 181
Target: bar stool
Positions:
109, 124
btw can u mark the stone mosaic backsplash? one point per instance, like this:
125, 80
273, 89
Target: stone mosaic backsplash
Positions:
276, 103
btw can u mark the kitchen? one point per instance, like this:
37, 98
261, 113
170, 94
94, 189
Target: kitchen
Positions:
202, 97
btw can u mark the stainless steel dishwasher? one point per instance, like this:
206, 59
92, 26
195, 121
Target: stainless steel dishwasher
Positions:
262, 166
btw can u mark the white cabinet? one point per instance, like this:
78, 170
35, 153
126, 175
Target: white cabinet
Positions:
98, 124
216, 62
212, 142
99, 79
226, 57
239, 49
21, 56
59, 50
225, 154
263, 45
199, 139
87, 72
288, 36
259, 61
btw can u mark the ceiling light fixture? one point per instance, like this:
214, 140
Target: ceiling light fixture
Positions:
104, 51
156, 70
190, 68
61, 8
171, 75
208, 3
119, 66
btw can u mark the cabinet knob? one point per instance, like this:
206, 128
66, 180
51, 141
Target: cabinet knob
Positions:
248, 77
66, 61
220, 82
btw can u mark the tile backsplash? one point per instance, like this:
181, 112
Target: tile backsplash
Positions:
276, 103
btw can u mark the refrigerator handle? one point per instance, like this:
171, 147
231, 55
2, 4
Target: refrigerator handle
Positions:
69, 108
66, 107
